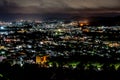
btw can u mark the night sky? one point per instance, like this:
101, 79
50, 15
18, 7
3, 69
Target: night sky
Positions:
60, 7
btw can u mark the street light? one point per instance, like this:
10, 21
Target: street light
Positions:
2, 27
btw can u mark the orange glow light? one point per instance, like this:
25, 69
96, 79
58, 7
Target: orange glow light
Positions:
81, 24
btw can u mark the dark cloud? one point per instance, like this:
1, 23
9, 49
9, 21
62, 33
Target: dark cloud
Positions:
59, 6
8, 7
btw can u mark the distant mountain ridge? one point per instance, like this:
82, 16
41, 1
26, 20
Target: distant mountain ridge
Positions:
94, 19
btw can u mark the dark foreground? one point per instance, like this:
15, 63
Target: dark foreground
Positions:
35, 72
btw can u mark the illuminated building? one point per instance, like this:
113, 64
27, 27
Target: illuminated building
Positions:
41, 60
38, 60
